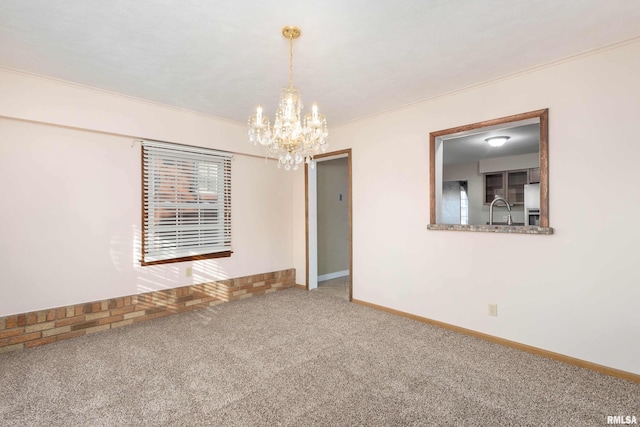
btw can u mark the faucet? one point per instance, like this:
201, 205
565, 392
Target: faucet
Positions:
497, 199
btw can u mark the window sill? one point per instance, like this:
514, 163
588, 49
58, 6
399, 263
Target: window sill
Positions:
512, 229
225, 254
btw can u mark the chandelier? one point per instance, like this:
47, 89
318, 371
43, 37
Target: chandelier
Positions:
291, 139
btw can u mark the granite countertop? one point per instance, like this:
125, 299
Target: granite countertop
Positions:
495, 228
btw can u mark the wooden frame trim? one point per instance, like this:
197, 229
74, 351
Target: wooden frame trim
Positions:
224, 254
542, 115
142, 207
432, 178
349, 156
629, 376
306, 225
544, 168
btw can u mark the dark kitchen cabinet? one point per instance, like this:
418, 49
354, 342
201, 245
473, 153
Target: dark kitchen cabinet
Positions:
507, 184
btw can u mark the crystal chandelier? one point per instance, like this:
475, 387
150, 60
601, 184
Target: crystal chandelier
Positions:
291, 139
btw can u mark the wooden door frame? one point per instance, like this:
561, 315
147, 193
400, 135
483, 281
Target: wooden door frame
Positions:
348, 154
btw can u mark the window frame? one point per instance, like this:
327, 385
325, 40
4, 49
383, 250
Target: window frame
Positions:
199, 156
435, 167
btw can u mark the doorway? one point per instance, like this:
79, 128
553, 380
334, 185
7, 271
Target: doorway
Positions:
329, 249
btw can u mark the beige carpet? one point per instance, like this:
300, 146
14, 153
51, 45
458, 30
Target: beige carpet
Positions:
297, 358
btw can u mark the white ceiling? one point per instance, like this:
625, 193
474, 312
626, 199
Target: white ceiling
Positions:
355, 58
523, 139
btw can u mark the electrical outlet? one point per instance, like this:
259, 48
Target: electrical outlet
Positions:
188, 272
493, 309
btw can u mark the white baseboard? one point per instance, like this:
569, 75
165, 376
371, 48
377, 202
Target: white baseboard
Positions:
329, 276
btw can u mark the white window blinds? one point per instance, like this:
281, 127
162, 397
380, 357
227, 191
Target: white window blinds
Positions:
186, 203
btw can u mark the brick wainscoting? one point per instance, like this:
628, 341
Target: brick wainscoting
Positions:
27, 330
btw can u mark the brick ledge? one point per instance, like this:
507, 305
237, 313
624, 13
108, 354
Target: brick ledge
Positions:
26, 330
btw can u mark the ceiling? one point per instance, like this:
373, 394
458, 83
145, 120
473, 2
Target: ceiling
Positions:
355, 58
471, 147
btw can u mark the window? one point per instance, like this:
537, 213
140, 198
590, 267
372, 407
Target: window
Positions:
186, 203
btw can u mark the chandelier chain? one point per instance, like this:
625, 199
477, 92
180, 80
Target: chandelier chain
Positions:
290, 62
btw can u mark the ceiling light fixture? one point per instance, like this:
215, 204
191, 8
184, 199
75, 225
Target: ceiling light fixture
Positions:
497, 141
291, 139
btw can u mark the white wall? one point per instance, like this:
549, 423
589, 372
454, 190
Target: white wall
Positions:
451, 203
509, 163
71, 198
575, 292
469, 172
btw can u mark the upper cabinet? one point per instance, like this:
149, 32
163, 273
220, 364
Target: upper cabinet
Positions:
534, 176
494, 184
516, 181
509, 185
